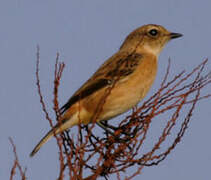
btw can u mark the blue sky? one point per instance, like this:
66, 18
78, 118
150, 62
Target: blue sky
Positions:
86, 33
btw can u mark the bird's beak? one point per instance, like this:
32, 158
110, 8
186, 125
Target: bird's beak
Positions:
175, 35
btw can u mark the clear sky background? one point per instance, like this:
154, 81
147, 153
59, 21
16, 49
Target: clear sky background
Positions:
86, 33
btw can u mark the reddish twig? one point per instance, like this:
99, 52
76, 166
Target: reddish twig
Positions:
16, 164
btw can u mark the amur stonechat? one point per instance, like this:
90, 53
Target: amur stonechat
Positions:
119, 84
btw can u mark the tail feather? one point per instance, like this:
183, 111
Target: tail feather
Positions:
60, 127
43, 141
69, 120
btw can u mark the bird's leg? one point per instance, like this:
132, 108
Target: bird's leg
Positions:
105, 128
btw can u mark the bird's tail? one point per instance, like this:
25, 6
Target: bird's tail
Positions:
60, 127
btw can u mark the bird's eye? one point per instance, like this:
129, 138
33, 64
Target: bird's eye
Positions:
153, 32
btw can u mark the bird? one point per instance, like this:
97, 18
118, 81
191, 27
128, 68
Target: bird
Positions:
119, 84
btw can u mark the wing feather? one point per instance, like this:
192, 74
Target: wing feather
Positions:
115, 69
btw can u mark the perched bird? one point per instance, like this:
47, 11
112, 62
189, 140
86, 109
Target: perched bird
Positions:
119, 83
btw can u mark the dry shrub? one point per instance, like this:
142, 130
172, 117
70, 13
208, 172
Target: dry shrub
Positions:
86, 155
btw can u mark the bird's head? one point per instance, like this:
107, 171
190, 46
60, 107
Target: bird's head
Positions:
151, 38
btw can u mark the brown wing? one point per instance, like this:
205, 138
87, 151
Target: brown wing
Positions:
115, 69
